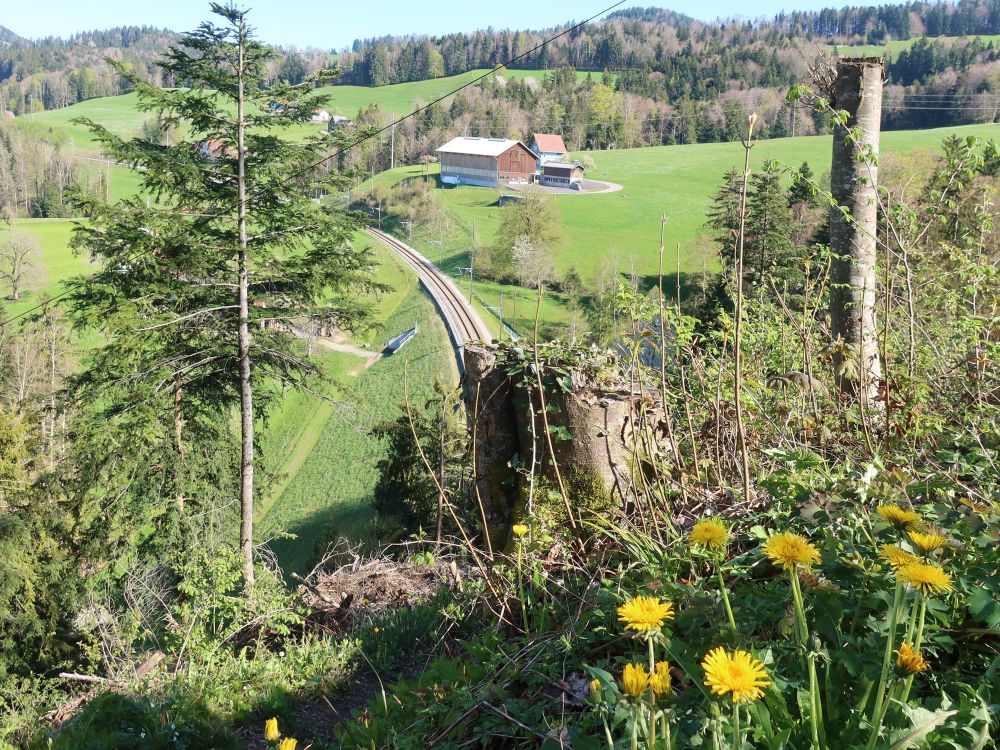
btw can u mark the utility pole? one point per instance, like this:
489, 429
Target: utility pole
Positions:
392, 144
853, 224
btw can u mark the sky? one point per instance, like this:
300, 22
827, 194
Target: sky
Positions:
334, 24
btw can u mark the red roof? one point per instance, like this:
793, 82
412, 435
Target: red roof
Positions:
549, 143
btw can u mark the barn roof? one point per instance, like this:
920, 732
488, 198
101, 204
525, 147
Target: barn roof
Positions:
550, 143
478, 146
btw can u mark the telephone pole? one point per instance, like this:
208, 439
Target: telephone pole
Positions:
392, 144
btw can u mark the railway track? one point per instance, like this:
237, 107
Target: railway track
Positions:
461, 320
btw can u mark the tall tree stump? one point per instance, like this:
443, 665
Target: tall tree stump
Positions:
853, 227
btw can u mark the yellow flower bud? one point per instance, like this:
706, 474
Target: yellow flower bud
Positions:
288, 744
271, 733
595, 689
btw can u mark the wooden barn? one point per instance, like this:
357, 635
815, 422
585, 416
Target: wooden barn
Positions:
489, 162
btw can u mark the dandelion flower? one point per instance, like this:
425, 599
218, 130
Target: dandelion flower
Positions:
659, 680
901, 518
271, 733
911, 661
710, 533
791, 550
896, 557
520, 529
288, 744
928, 542
643, 613
927, 579
735, 672
635, 680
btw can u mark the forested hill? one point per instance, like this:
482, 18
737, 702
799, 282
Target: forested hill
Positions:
638, 38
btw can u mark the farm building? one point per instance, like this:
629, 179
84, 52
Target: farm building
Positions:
320, 115
556, 174
338, 121
549, 147
489, 162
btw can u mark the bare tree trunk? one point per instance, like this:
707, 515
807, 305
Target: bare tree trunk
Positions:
246, 385
853, 226
178, 439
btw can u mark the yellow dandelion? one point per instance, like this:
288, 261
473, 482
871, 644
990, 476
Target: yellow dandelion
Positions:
927, 579
928, 542
635, 679
643, 613
901, 518
288, 744
911, 661
271, 733
520, 529
710, 533
791, 550
735, 672
896, 557
659, 680
596, 689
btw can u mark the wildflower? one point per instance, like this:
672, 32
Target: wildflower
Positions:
927, 579
710, 533
520, 529
928, 542
896, 557
737, 673
288, 744
596, 689
271, 733
899, 517
659, 680
644, 613
791, 550
911, 661
635, 680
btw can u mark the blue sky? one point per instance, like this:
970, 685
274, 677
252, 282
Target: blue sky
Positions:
335, 23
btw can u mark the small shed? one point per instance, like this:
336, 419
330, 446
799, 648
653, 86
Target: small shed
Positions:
557, 174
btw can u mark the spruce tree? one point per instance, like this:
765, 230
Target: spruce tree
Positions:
205, 280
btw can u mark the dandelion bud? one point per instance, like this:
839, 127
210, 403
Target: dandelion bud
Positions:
595, 689
271, 733
288, 744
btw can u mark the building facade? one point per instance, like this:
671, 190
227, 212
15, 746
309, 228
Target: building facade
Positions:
488, 162
549, 147
561, 175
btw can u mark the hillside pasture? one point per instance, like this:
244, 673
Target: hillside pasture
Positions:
891, 49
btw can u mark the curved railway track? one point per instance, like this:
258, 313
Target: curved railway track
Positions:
462, 321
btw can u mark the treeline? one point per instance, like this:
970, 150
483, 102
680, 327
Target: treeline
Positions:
36, 176
51, 73
639, 37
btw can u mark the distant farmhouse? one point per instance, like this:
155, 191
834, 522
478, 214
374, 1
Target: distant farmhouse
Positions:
320, 115
214, 148
549, 147
556, 174
337, 121
488, 162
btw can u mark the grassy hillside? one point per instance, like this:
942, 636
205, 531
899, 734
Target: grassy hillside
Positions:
330, 466
120, 116
677, 181
893, 48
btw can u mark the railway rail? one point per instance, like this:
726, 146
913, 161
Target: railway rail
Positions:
462, 321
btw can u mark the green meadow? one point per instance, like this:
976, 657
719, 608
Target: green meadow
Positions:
893, 48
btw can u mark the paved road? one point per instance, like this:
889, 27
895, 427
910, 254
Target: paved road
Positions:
460, 318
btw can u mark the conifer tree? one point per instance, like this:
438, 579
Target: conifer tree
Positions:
205, 280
